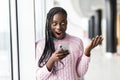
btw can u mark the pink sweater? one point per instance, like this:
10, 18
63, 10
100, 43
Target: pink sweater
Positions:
75, 64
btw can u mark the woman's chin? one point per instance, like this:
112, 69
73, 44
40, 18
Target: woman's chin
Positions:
59, 36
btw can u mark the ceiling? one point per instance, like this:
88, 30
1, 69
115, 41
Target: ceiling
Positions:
87, 7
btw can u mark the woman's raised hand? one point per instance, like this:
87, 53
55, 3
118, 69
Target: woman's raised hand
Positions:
95, 42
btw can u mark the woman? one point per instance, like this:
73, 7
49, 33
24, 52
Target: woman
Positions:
54, 63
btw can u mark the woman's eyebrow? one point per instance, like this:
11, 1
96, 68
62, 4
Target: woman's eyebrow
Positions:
64, 19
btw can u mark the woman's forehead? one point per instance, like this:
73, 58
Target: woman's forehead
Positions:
60, 14
59, 17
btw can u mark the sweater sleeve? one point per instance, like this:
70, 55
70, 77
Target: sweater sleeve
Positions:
82, 62
41, 73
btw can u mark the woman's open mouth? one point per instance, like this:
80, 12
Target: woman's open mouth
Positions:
59, 34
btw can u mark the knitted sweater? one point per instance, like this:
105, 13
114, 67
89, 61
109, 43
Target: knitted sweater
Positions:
74, 66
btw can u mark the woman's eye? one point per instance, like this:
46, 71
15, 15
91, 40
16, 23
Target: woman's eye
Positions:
54, 24
62, 23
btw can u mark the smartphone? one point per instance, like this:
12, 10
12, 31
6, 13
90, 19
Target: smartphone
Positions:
64, 46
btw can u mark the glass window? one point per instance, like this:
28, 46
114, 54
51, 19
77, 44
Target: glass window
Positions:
5, 61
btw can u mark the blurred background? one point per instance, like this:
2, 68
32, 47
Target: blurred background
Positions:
22, 24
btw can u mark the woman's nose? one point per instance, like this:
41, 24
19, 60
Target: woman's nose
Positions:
58, 26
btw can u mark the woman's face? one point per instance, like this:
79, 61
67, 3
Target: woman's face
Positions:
58, 25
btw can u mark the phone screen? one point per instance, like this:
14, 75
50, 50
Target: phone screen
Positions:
64, 46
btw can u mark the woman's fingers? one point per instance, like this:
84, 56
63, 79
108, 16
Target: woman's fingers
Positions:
100, 39
63, 54
60, 54
96, 41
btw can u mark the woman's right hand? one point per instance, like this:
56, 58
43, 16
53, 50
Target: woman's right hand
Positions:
57, 55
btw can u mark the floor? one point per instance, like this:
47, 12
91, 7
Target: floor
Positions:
103, 66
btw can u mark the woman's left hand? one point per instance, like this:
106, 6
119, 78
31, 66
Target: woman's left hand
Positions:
95, 41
